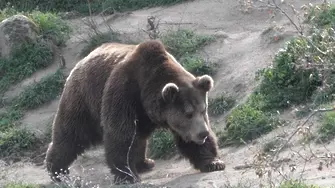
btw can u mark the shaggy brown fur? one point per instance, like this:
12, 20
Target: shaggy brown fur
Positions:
118, 95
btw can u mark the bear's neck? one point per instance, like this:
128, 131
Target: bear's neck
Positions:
151, 82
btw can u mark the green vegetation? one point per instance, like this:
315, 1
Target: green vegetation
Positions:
288, 81
302, 72
23, 62
326, 131
82, 6
97, 39
183, 44
51, 27
220, 105
247, 122
161, 144
197, 65
13, 140
44, 91
321, 16
20, 185
295, 184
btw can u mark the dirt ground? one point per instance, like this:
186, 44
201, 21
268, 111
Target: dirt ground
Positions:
242, 47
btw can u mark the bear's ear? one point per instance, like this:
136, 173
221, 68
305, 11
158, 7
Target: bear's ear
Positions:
169, 92
204, 83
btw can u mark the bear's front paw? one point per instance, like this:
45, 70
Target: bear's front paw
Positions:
145, 165
216, 165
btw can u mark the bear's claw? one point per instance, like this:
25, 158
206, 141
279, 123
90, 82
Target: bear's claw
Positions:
216, 165
145, 165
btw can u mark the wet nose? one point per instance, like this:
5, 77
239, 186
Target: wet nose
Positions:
203, 135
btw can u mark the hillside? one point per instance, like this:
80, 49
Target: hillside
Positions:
243, 44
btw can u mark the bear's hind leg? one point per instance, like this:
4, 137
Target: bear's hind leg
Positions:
71, 137
59, 158
203, 157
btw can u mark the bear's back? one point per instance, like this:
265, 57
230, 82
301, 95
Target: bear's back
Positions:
87, 79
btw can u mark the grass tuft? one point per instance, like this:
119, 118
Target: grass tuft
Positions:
247, 122
326, 132
42, 92
182, 42
13, 142
51, 26
295, 184
20, 185
197, 65
96, 40
220, 105
161, 144
183, 45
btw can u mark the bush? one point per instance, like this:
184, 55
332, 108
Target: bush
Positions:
321, 15
161, 144
183, 42
23, 62
304, 70
197, 66
51, 26
220, 105
289, 81
248, 122
326, 131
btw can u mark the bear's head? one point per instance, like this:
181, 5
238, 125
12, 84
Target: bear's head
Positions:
185, 109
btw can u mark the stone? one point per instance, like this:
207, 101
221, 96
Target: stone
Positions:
14, 31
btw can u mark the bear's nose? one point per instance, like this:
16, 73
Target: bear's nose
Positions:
203, 135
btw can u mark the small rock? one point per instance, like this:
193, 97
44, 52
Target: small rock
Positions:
221, 34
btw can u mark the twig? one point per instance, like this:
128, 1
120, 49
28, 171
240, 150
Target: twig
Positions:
130, 173
288, 17
299, 127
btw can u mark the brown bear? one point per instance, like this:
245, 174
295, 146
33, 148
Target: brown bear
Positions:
117, 96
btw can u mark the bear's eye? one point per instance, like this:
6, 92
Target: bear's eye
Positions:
189, 115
